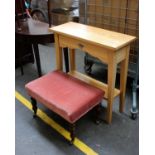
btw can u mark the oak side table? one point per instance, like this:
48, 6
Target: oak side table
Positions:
108, 46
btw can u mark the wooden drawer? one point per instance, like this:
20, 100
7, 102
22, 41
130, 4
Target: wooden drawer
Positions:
94, 50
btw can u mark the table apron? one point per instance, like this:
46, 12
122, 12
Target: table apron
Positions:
121, 54
94, 50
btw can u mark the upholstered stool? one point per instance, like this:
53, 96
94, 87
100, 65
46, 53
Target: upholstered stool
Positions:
65, 95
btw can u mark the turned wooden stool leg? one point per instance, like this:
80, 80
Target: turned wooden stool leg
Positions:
97, 114
34, 106
72, 133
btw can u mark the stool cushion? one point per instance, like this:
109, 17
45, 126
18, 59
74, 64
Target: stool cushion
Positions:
65, 95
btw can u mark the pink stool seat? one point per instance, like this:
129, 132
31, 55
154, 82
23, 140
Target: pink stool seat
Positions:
65, 95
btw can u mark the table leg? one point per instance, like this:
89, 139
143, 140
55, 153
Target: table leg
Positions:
58, 49
72, 59
37, 57
112, 66
65, 50
123, 79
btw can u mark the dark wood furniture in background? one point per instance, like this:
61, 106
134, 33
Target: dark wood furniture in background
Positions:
28, 34
60, 12
23, 53
23, 49
33, 33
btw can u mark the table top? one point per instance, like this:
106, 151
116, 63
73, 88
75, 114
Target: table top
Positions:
109, 39
33, 27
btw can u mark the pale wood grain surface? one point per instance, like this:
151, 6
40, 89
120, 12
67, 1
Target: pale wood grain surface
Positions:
102, 37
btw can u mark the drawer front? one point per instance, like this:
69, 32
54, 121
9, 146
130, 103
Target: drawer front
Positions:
94, 50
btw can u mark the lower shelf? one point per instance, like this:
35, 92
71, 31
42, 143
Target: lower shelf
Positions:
94, 82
